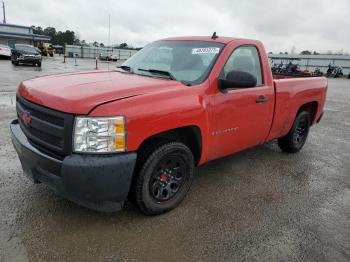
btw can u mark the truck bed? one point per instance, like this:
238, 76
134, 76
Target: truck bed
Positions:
290, 94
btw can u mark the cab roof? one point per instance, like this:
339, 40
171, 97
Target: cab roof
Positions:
223, 40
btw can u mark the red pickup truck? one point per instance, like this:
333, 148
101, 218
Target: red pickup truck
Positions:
138, 132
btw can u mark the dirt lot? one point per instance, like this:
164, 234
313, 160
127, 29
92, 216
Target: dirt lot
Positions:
258, 205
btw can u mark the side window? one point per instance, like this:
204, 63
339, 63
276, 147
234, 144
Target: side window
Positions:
247, 59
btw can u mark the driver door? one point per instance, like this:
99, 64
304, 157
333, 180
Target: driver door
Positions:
241, 117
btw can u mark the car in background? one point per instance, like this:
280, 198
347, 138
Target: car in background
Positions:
38, 50
5, 52
108, 57
25, 54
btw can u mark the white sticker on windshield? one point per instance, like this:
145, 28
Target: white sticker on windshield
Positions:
205, 50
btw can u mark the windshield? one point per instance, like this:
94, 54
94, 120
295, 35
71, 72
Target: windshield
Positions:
26, 48
186, 61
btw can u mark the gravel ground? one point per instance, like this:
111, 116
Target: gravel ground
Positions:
257, 205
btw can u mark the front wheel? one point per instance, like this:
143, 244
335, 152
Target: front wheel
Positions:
164, 178
296, 138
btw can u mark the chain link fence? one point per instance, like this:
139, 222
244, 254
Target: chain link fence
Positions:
93, 52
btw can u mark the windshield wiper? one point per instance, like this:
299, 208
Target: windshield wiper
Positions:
159, 72
186, 83
126, 68
165, 73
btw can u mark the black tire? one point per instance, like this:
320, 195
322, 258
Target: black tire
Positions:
39, 64
294, 141
164, 178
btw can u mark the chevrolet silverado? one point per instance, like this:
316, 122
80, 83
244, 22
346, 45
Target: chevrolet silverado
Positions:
137, 132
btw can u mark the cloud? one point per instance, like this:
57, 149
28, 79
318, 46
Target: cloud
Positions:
306, 24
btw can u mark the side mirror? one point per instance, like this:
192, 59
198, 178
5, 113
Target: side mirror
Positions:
237, 79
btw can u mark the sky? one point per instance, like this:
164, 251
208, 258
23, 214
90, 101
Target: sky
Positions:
320, 25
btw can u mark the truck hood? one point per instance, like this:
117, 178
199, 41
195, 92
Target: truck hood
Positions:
79, 93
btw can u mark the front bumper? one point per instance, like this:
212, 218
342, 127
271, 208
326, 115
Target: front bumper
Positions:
28, 60
99, 182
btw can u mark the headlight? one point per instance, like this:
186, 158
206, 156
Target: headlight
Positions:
99, 134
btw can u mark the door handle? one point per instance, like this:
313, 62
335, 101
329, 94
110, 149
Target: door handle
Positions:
261, 99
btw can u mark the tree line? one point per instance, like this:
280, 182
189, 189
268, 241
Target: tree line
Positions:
69, 37
57, 37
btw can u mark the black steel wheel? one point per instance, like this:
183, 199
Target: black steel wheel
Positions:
301, 130
296, 138
165, 178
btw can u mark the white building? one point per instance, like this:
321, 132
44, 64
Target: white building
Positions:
18, 34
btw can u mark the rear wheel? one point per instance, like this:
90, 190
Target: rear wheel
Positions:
296, 138
164, 179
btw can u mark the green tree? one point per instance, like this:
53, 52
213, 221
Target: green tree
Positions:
37, 30
305, 52
123, 45
57, 37
50, 31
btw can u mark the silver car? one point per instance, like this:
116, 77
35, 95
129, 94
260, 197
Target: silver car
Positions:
5, 51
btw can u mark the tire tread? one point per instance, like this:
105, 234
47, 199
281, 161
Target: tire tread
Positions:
286, 143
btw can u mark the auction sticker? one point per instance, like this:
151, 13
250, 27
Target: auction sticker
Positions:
205, 50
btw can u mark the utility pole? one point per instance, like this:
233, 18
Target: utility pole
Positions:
109, 37
109, 29
3, 10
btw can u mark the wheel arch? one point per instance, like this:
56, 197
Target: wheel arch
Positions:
311, 108
191, 136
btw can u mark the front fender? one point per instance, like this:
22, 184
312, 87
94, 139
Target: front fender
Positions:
151, 114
